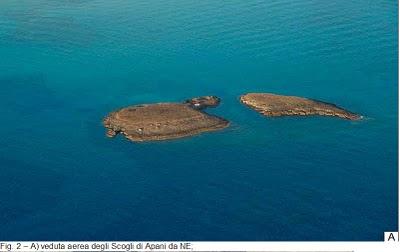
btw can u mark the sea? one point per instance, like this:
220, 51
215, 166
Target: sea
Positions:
64, 65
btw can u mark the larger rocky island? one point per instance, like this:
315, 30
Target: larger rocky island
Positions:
279, 105
162, 121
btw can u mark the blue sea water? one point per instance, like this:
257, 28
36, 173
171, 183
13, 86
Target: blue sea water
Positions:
65, 64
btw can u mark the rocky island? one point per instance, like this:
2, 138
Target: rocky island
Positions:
280, 105
162, 121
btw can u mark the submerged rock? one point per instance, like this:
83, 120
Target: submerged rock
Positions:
162, 121
280, 105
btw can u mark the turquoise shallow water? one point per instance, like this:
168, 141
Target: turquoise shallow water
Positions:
65, 64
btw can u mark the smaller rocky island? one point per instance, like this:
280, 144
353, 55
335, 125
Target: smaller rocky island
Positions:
279, 105
204, 102
163, 121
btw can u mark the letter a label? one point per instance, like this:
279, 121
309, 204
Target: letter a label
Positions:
391, 236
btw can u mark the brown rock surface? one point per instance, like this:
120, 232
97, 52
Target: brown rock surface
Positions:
280, 105
161, 121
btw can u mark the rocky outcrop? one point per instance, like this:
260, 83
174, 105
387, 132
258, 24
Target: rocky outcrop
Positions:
279, 105
162, 121
204, 102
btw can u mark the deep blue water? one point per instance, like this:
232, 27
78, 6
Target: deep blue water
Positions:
65, 64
